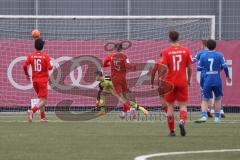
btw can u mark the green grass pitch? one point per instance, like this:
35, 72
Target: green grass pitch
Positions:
103, 139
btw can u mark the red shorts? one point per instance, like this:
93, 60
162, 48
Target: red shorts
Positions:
179, 93
120, 85
41, 89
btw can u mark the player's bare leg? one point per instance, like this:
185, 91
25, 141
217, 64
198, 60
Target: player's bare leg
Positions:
217, 108
40, 105
170, 119
211, 103
222, 112
183, 117
127, 105
126, 109
164, 104
42, 115
133, 110
124, 101
205, 104
204, 107
136, 106
30, 115
205, 112
211, 106
102, 104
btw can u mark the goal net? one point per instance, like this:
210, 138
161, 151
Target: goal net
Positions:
76, 44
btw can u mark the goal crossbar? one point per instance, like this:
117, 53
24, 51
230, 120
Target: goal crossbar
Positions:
73, 17
103, 17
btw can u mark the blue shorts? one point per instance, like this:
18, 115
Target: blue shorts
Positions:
209, 90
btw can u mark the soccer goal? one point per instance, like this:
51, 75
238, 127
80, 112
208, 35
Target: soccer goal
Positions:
76, 45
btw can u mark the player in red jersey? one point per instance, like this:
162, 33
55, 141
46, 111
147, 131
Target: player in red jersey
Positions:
157, 69
119, 65
177, 59
107, 60
41, 64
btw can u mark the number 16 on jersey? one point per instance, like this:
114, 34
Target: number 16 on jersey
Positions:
37, 65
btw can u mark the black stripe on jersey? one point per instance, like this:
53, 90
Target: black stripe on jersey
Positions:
108, 78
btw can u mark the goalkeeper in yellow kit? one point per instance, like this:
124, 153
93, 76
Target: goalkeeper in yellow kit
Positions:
106, 87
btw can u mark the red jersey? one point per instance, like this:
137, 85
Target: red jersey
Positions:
107, 60
119, 64
41, 64
177, 58
157, 68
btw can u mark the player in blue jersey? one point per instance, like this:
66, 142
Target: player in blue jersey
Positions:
195, 59
212, 62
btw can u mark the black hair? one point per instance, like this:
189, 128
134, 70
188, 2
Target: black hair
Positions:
173, 36
118, 46
160, 54
39, 44
98, 73
211, 44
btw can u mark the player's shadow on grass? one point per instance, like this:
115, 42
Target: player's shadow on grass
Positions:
63, 112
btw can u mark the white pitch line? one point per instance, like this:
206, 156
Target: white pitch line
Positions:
144, 157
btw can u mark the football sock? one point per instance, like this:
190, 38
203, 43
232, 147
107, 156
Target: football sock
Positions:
126, 107
42, 115
34, 109
204, 114
183, 116
132, 109
217, 114
212, 109
170, 120
138, 107
222, 112
135, 105
165, 108
221, 107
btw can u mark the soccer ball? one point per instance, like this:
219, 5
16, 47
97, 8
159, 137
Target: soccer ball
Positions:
36, 33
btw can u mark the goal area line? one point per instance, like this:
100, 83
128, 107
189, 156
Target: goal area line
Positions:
145, 157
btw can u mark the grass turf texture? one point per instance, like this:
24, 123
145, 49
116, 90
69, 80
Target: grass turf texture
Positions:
105, 140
